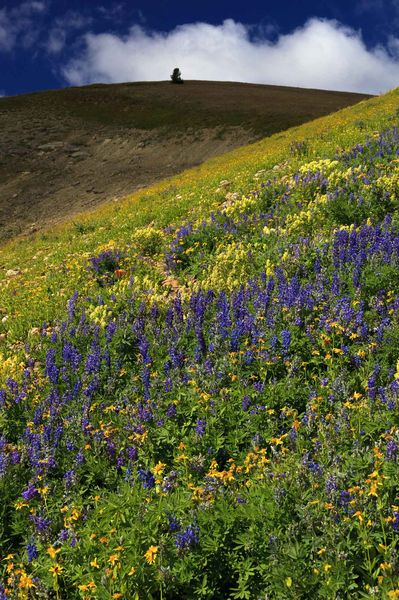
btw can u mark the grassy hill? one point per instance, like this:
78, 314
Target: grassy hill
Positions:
66, 151
199, 391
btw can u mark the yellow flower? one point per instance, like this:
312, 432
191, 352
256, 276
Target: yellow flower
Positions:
327, 567
53, 552
132, 571
288, 582
159, 468
151, 554
359, 515
94, 563
56, 570
26, 582
84, 587
113, 559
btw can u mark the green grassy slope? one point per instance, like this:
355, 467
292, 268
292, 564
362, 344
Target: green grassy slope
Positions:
189, 195
210, 409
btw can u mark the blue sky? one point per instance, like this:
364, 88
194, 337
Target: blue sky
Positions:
331, 45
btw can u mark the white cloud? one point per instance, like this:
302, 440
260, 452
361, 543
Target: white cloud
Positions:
322, 54
63, 27
17, 25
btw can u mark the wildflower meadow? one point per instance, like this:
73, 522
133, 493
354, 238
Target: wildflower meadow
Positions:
199, 390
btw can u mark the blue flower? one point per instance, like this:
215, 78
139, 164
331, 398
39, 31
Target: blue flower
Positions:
147, 479
187, 539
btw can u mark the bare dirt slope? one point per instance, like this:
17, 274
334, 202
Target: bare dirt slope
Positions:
65, 151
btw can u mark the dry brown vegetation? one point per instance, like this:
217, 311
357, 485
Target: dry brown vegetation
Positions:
66, 151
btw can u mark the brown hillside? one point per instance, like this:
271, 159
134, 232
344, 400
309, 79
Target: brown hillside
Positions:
68, 150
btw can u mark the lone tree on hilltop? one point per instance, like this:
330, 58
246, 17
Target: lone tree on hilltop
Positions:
176, 76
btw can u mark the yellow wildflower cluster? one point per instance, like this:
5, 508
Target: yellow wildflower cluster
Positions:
255, 460
389, 184
148, 239
12, 367
110, 245
242, 205
225, 476
98, 314
325, 164
229, 268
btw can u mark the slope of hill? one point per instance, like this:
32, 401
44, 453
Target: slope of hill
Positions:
65, 151
200, 391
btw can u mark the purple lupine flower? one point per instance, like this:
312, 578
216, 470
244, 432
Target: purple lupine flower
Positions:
132, 453
392, 450
331, 484
51, 369
285, 341
71, 356
345, 498
246, 403
147, 479
12, 386
69, 478
171, 411
223, 315
80, 458
187, 539
64, 535
395, 523
32, 552
200, 427
93, 361
69, 445
41, 524
72, 306
30, 492
110, 331
314, 467
15, 457
174, 523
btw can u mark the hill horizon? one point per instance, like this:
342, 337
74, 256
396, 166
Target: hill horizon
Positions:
104, 141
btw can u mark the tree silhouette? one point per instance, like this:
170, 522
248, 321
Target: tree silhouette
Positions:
176, 76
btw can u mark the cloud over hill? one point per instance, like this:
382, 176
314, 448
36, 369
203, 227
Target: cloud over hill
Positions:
321, 54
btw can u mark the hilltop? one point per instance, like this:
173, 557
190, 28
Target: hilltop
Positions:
66, 151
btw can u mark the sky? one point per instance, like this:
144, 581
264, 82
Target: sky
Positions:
335, 44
